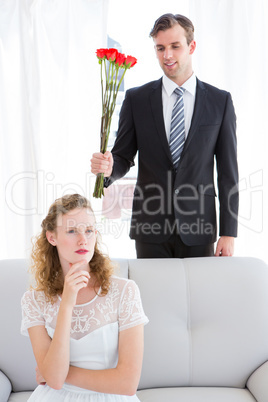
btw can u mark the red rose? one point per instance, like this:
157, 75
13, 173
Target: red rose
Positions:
101, 53
110, 61
120, 59
130, 61
111, 54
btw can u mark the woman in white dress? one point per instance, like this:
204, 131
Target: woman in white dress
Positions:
84, 323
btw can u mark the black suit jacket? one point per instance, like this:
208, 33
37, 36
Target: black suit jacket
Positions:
184, 200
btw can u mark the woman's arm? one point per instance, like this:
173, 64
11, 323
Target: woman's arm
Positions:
53, 355
124, 378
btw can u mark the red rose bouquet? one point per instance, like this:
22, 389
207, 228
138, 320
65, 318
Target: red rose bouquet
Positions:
111, 61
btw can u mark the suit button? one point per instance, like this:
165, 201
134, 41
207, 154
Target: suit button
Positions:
177, 191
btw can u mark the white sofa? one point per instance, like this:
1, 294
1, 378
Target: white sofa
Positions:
207, 339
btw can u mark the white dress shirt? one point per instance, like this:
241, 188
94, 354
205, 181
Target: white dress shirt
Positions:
169, 98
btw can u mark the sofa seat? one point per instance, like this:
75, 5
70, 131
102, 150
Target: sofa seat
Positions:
184, 394
194, 394
19, 396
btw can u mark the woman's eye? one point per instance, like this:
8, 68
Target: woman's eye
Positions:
71, 231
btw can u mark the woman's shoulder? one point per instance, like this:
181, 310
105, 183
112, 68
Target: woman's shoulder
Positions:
122, 284
36, 310
32, 294
36, 297
121, 281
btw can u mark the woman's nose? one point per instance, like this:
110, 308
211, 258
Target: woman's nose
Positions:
82, 239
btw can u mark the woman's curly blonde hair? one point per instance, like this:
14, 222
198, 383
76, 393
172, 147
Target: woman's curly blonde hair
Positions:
46, 267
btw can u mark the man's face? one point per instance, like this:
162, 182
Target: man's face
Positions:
174, 54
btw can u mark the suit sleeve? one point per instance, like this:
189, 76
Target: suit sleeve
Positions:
125, 147
227, 168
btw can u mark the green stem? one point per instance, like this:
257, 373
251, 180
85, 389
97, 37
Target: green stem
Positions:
108, 105
98, 189
102, 81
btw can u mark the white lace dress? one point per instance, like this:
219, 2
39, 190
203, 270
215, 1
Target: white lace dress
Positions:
94, 335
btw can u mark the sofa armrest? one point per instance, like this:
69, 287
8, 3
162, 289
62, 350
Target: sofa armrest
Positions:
258, 384
5, 387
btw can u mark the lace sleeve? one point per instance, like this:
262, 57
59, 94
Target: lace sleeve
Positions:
31, 312
131, 311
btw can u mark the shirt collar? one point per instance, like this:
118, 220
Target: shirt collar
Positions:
189, 85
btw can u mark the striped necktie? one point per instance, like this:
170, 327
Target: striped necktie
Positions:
177, 127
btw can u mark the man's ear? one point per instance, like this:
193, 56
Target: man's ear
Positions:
192, 46
51, 238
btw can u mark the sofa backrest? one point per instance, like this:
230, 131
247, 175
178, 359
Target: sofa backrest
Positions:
208, 321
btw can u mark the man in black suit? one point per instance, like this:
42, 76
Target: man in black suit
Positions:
174, 212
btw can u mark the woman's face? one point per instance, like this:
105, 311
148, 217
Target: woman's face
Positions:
74, 237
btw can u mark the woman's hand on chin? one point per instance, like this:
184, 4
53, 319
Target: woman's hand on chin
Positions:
74, 280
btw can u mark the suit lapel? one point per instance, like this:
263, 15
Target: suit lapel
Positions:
201, 94
157, 112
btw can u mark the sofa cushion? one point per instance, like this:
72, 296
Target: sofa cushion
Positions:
208, 320
258, 383
19, 396
5, 387
195, 395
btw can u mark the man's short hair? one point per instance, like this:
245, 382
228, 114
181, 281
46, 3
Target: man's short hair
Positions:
167, 21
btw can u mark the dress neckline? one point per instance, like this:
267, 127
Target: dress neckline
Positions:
89, 302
